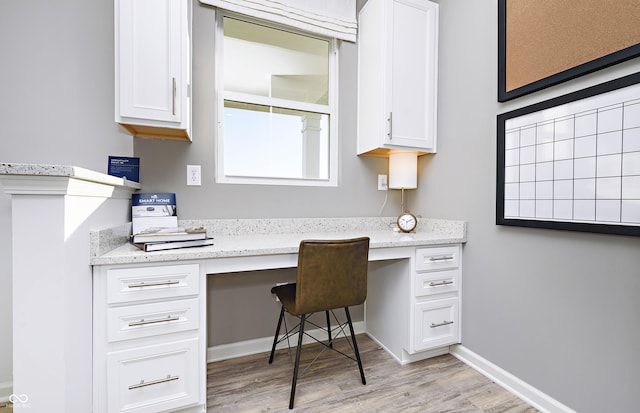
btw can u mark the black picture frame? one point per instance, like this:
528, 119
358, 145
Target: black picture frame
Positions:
504, 95
570, 225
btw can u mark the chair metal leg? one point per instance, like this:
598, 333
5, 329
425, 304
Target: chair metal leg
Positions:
295, 367
275, 339
355, 345
330, 342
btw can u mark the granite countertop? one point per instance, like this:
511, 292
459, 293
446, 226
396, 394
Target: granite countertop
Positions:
238, 238
22, 169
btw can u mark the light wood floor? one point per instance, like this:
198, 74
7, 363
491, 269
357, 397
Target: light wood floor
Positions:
332, 384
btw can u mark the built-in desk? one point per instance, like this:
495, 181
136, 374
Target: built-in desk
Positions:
78, 300
149, 315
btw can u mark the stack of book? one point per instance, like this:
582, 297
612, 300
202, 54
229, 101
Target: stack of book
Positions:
158, 239
154, 220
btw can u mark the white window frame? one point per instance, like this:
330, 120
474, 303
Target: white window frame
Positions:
221, 96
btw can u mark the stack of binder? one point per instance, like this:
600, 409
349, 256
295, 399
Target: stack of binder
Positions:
158, 239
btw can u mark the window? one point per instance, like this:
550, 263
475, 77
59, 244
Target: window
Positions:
276, 105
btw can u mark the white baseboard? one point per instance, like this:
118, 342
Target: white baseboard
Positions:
6, 389
503, 378
259, 345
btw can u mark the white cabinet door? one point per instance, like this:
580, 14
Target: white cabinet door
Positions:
152, 65
397, 79
436, 323
154, 378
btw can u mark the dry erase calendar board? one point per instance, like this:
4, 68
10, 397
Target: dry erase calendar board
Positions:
573, 162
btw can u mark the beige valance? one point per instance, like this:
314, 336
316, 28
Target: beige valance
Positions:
333, 18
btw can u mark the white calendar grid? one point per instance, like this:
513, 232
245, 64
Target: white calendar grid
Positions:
577, 162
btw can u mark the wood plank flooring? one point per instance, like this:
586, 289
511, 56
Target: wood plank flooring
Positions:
5, 407
332, 384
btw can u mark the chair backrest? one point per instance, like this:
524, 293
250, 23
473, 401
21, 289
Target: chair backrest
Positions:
331, 274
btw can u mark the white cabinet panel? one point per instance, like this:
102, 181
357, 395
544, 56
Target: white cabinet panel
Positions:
145, 283
153, 378
152, 67
397, 78
438, 282
149, 338
436, 323
144, 320
439, 258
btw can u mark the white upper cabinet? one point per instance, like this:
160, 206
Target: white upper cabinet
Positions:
397, 76
152, 68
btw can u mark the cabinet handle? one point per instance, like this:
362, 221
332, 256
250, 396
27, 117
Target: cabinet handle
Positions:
173, 88
154, 284
390, 120
440, 283
152, 382
444, 323
143, 322
442, 258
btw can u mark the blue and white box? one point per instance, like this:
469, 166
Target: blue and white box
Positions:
153, 210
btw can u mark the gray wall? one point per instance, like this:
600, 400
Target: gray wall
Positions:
557, 309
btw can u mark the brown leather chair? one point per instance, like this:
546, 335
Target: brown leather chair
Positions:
331, 274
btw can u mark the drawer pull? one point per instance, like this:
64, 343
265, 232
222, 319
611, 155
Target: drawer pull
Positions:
154, 284
173, 93
440, 283
153, 382
441, 258
157, 320
444, 323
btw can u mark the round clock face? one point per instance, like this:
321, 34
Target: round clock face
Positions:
407, 222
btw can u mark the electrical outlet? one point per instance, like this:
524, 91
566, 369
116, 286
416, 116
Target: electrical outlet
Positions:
193, 175
382, 183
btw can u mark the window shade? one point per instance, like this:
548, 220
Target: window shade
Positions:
333, 18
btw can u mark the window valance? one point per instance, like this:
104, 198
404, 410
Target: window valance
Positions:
333, 18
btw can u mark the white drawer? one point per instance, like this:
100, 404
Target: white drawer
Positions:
427, 283
436, 323
144, 320
154, 378
437, 258
146, 283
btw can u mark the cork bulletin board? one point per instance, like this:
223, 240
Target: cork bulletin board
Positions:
545, 42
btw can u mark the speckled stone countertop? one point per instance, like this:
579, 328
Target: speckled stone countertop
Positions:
24, 169
255, 237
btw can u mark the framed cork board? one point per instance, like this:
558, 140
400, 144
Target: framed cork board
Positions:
544, 42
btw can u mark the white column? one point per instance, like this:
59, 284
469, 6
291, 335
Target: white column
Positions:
311, 145
53, 210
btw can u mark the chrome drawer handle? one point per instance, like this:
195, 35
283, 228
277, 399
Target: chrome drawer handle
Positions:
440, 283
173, 92
154, 321
152, 382
154, 284
444, 323
442, 258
